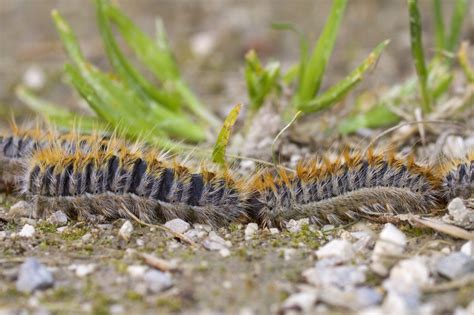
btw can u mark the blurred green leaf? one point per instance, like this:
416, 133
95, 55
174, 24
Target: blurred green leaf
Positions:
379, 116
218, 154
158, 58
439, 27
119, 104
125, 70
461, 8
56, 114
312, 71
339, 90
418, 54
465, 63
260, 81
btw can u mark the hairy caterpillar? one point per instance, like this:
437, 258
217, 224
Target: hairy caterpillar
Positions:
21, 145
104, 182
92, 176
458, 177
335, 192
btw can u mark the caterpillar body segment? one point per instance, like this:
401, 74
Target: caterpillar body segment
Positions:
343, 190
458, 178
17, 149
105, 183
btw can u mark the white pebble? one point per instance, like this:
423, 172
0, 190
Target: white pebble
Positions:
83, 270
408, 275
340, 276
339, 249
302, 301
459, 214
86, 237
467, 248
274, 231
295, 226
58, 218
27, 231
203, 43
136, 271
391, 243
126, 230
250, 230
224, 252
3, 235
178, 225
21, 209
215, 243
34, 78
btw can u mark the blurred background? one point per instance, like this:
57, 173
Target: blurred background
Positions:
210, 39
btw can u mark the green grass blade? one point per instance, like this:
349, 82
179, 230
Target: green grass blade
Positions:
158, 58
68, 38
439, 27
465, 63
118, 101
56, 114
461, 8
218, 154
379, 116
338, 91
260, 81
418, 53
313, 70
125, 70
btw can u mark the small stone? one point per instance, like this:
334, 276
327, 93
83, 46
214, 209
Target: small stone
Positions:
140, 242
295, 226
339, 249
83, 270
214, 242
27, 231
61, 229
225, 252
195, 234
178, 225
3, 235
21, 209
391, 243
407, 276
136, 271
34, 78
397, 303
354, 299
58, 218
86, 237
459, 214
126, 231
157, 281
455, 265
341, 276
250, 230
274, 231
467, 248
117, 309
363, 241
301, 302
33, 276
203, 43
